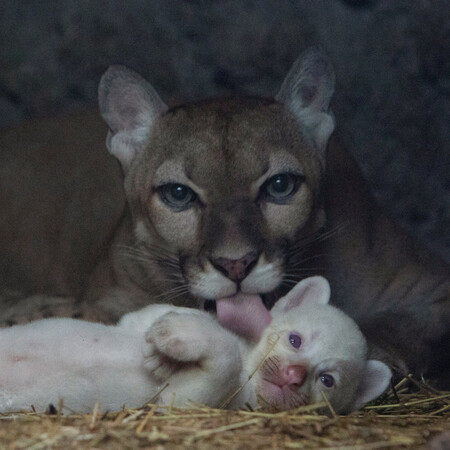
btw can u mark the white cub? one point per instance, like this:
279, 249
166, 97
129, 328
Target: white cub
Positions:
317, 350
304, 349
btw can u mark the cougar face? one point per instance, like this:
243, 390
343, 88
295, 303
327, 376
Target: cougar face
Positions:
219, 191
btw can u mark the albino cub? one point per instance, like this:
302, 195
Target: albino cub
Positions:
289, 356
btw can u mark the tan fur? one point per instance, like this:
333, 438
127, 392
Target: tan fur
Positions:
397, 290
67, 231
61, 200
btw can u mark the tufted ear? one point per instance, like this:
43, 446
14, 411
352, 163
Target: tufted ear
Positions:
307, 91
310, 290
374, 381
130, 106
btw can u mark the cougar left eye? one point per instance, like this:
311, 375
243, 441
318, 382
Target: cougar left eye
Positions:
177, 196
281, 187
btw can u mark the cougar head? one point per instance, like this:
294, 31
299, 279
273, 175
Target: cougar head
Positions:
221, 192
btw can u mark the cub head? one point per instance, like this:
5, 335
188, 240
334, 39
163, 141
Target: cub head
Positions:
221, 192
311, 350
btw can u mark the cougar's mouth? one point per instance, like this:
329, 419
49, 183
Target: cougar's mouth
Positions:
243, 314
210, 305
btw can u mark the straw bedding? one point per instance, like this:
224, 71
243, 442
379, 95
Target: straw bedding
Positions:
411, 415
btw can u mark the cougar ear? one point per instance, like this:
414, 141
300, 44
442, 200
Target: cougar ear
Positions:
307, 91
130, 106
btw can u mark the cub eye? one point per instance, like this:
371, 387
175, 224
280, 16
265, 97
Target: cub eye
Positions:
281, 187
327, 380
295, 340
177, 196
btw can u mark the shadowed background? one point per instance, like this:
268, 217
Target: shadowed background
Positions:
392, 60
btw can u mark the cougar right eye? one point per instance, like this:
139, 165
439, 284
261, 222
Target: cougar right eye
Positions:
281, 187
177, 196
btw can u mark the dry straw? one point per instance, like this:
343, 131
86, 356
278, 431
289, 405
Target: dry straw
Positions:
411, 415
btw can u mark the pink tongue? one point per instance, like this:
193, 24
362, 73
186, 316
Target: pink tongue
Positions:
243, 314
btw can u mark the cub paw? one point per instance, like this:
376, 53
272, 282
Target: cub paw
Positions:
178, 337
160, 366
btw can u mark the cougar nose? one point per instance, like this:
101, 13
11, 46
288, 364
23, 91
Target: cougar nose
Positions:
236, 269
295, 374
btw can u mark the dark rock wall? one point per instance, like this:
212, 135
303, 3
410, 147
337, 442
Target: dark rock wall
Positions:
392, 59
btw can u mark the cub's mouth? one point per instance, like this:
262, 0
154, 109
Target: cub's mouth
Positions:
281, 397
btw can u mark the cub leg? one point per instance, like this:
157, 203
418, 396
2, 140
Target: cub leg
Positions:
200, 360
81, 362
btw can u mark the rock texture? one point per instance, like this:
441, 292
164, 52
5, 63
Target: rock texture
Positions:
392, 60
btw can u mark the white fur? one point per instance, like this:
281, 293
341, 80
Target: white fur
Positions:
85, 363
210, 283
264, 277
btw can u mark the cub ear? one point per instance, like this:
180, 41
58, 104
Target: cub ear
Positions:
375, 379
129, 106
313, 290
307, 91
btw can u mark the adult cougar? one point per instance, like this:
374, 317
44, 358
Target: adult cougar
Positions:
224, 196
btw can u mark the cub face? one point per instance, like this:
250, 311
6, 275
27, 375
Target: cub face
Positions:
221, 191
311, 350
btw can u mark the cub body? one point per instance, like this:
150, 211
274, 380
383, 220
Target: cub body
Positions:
171, 355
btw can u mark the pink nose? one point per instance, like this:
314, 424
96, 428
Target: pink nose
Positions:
295, 375
236, 269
